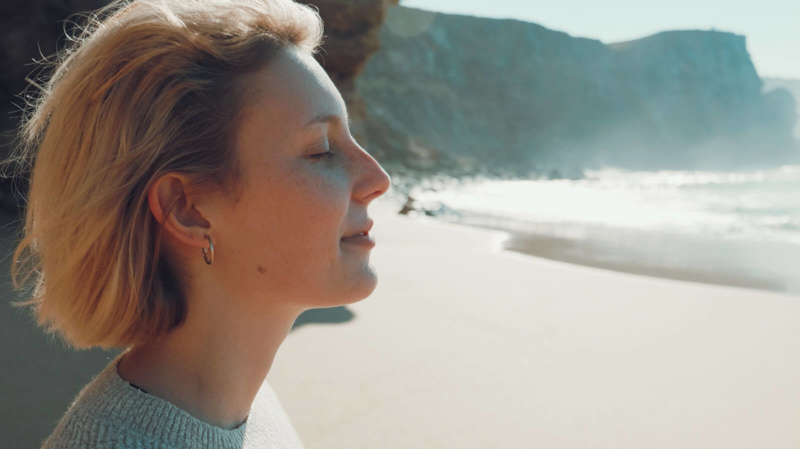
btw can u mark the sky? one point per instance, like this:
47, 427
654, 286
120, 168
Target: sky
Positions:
772, 27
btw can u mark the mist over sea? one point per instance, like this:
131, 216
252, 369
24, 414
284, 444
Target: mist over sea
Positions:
736, 228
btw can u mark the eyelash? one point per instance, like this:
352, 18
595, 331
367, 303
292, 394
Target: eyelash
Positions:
325, 155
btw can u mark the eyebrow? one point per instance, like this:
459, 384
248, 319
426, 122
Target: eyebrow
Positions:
326, 118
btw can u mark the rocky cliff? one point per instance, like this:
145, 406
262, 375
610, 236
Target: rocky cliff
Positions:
351, 37
793, 87
472, 94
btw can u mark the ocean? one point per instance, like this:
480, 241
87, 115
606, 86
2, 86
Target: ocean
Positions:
735, 228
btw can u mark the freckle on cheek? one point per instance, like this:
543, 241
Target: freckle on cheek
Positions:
261, 269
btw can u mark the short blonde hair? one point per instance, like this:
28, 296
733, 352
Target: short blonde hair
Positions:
149, 87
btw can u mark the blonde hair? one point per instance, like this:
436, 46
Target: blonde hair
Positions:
149, 87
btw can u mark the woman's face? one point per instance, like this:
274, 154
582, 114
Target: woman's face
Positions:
306, 185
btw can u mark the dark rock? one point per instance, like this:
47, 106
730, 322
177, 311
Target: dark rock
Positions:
408, 206
351, 37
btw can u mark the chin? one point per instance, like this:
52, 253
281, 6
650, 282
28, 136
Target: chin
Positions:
362, 291
355, 291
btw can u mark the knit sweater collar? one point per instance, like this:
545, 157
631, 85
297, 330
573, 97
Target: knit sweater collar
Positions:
115, 400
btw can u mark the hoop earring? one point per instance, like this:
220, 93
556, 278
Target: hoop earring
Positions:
209, 253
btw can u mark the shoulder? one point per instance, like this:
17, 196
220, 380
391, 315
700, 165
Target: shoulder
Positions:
268, 426
266, 404
86, 431
93, 421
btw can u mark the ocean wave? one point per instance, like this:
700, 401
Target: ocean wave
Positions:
756, 205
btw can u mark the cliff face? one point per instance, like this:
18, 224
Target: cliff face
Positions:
455, 92
782, 87
351, 37
701, 101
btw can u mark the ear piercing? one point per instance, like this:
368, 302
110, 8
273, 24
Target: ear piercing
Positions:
208, 256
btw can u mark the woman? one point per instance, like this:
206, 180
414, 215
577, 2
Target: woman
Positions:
194, 189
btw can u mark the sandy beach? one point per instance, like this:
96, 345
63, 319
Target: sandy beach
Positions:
464, 345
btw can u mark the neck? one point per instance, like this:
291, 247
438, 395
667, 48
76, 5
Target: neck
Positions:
212, 365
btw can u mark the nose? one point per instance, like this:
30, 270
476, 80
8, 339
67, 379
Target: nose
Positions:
373, 181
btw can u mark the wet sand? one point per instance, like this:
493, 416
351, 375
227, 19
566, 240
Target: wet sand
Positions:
600, 254
762, 265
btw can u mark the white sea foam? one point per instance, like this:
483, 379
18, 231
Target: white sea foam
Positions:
759, 205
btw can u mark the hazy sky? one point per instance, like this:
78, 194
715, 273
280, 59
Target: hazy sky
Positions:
772, 27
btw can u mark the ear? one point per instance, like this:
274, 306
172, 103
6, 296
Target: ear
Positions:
185, 222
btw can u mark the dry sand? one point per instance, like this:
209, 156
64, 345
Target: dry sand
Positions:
465, 346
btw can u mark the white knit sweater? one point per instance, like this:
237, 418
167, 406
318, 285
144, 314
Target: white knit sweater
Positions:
111, 413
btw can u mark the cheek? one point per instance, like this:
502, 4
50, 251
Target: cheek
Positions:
296, 228
313, 208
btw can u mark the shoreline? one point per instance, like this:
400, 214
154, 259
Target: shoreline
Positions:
764, 266
567, 251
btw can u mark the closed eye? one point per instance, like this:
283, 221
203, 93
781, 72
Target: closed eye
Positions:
324, 155
324, 149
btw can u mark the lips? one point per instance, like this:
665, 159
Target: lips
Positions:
361, 231
360, 240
